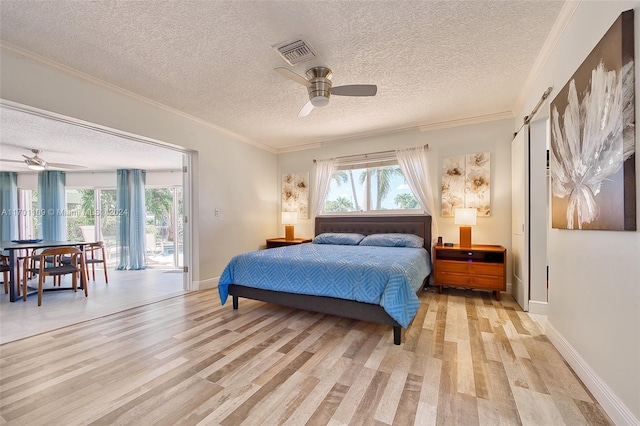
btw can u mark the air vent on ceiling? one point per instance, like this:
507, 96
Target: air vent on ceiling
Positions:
295, 51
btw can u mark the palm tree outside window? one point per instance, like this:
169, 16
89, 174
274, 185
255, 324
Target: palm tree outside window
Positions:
369, 189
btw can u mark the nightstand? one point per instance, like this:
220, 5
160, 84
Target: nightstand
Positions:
279, 242
481, 267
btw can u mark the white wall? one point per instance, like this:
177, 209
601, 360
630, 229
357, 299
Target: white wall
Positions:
494, 137
232, 176
594, 288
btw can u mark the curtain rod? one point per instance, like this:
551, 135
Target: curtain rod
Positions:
426, 146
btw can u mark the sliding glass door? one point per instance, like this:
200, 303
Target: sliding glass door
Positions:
92, 216
164, 227
106, 222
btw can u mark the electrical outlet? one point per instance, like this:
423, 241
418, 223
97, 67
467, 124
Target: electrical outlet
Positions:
217, 212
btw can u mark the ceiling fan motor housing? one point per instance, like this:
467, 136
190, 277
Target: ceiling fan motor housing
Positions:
320, 88
35, 162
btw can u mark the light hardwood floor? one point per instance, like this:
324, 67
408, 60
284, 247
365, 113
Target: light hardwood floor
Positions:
466, 359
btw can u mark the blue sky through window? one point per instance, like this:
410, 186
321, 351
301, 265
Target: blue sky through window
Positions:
345, 190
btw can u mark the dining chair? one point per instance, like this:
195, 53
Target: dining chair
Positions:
30, 269
90, 258
57, 269
4, 268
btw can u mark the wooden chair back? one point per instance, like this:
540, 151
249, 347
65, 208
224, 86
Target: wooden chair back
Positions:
90, 258
75, 267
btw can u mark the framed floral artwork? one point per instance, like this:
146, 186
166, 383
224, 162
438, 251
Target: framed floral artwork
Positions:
295, 194
466, 182
592, 155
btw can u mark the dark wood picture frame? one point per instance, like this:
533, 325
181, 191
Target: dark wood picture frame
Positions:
592, 156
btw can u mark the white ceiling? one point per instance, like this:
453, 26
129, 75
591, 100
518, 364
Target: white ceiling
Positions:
433, 61
62, 142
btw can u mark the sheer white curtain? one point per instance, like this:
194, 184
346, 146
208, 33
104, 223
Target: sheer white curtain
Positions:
324, 170
413, 163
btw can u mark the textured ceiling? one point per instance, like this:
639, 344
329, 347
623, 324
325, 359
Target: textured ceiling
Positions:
432, 61
61, 142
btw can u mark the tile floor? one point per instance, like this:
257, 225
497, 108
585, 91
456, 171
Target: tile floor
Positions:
126, 289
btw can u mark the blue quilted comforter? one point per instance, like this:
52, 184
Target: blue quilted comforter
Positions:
385, 276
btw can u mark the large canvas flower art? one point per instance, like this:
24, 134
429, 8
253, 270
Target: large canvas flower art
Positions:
592, 156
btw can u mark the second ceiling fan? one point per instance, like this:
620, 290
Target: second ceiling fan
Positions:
38, 164
320, 89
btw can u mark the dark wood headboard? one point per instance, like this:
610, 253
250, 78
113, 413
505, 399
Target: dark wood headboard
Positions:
403, 224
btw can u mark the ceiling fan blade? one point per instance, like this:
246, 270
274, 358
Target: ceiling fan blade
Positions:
355, 90
12, 161
65, 166
293, 76
306, 109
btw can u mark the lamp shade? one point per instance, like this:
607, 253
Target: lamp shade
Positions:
465, 216
289, 218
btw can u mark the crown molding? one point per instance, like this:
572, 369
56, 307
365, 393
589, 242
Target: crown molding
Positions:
329, 142
466, 121
565, 15
420, 128
41, 60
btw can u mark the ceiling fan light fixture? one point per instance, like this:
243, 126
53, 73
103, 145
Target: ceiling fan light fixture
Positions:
320, 88
36, 167
320, 101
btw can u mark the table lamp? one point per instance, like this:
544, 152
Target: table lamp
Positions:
466, 218
288, 220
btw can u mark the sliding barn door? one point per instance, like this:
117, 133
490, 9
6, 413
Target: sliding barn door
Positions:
520, 217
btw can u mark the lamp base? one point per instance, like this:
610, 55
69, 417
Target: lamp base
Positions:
465, 236
288, 232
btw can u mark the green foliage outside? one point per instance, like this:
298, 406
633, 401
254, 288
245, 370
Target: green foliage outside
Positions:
406, 201
159, 205
381, 178
82, 214
341, 204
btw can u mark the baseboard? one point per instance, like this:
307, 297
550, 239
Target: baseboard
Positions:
615, 408
208, 284
540, 308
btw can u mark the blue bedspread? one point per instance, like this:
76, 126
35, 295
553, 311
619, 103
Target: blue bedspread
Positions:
385, 276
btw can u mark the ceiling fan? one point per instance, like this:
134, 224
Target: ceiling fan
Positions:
37, 163
319, 86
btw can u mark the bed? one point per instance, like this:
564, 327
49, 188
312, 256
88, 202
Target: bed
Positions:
330, 304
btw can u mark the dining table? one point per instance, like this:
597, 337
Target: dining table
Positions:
12, 247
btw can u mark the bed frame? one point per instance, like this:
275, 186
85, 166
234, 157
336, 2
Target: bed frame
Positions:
418, 225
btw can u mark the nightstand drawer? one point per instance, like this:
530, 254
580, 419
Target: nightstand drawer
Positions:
478, 268
473, 268
486, 281
453, 278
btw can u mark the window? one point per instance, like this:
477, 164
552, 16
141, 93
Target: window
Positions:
80, 213
91, 215
369, 184
29, 219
